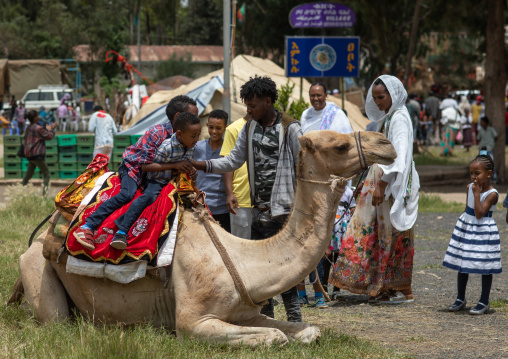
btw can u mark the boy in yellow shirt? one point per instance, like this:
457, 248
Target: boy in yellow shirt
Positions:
237, 186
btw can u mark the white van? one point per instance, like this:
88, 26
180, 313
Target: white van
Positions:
48, 96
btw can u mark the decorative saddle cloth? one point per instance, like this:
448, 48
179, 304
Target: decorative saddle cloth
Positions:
145, 237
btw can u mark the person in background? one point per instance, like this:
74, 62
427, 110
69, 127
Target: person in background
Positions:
237, 185
476, 112
212, 183
487, 136
506, 124
433, 116
467, 130
20, 117
42, 113
14, 106
35, 147
6, 124
104, 128
451, 121
62, 111
413, 107
321, 116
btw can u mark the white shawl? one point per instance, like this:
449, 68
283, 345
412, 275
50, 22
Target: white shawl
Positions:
311, 120
400, 135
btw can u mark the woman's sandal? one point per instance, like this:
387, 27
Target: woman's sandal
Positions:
397, 298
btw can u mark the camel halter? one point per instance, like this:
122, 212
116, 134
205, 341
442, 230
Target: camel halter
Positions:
335, 181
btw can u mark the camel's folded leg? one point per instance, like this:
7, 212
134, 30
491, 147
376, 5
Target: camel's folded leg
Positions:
43, 289
217, 331
303, 332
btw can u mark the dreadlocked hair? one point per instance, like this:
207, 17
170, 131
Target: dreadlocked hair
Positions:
485, 159
260, 87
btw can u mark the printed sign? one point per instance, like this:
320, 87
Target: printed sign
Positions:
321, 14
322, 56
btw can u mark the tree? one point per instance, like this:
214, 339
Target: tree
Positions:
202, 23
495, 79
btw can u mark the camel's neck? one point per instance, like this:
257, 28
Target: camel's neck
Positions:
282, 261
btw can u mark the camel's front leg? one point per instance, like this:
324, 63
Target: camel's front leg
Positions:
217, 331
303, 332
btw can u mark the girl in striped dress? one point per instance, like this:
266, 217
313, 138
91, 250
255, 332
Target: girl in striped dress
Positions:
475, 246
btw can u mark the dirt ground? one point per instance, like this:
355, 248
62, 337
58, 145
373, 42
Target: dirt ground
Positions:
424, 328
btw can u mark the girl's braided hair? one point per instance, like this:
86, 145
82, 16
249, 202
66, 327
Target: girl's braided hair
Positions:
485, 159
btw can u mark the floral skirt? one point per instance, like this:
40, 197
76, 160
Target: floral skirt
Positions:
374, 257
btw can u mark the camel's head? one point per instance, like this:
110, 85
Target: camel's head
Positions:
325, 153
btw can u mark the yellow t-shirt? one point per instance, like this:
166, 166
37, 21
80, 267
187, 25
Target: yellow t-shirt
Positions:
240, 177
476, 111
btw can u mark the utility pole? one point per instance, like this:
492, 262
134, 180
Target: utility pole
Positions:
139, 39
226, 95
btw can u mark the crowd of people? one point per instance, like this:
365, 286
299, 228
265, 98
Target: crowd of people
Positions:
247, 170
448, 121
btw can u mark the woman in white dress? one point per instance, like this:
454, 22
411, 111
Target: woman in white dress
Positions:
376, 256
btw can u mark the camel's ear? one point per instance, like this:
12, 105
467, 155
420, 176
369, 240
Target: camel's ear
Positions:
306, 143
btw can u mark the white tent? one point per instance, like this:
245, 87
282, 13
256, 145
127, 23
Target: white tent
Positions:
207, 91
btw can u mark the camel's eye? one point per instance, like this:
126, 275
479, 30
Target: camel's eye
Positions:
342, 148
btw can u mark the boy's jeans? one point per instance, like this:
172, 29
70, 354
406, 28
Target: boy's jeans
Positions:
127, 191
137, 207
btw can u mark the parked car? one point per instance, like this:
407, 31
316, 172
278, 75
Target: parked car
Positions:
48, 96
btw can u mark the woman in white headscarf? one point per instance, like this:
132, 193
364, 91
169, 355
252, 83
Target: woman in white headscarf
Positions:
376, 256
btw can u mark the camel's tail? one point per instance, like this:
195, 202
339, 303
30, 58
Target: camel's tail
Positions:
17, 293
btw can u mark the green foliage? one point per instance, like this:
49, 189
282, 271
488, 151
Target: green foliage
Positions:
111, 86
293, 109
202, 23
176, 66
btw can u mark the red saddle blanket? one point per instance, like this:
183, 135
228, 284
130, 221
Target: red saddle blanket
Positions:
145, 236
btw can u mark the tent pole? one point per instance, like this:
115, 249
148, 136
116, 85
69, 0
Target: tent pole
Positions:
226, 96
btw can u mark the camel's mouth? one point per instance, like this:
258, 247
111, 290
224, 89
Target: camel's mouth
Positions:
385, 159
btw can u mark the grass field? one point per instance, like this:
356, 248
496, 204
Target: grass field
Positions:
433, 203
22, 337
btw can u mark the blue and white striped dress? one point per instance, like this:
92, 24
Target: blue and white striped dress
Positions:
475, 246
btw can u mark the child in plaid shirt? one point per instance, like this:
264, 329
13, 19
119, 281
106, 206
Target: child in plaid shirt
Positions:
137, 160
176, 149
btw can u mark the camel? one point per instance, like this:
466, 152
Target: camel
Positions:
200, 299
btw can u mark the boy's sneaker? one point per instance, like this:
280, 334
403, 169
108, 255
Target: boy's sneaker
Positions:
304, 300
84, 236
119, 241
320, 303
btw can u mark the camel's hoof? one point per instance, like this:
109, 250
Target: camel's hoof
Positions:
276, 337
308, 335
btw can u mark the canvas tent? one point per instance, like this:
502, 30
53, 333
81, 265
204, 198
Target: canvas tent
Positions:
25, 75
208, 92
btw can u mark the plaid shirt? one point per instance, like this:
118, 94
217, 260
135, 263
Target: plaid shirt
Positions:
170, 151
34, 142
144, 150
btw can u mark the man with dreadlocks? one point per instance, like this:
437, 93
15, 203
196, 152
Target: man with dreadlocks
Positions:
269, 144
